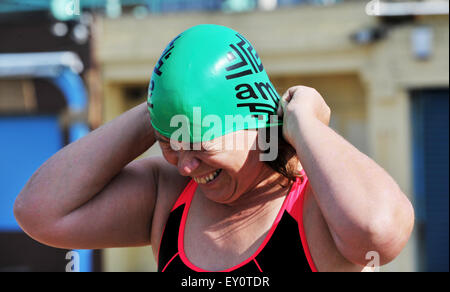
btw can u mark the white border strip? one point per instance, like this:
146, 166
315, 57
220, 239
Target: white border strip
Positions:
380, 8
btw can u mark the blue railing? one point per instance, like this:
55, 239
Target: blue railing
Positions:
62, 69
153, 6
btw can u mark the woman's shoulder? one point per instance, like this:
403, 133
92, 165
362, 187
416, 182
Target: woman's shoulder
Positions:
170, 184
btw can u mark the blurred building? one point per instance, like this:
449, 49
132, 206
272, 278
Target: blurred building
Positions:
43, 107
382, 66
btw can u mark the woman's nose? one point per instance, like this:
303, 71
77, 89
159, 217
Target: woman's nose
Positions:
187, 163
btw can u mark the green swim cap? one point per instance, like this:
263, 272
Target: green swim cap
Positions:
209, 82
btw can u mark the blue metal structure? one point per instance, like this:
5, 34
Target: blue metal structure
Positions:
153, 6
28, 141
22, 151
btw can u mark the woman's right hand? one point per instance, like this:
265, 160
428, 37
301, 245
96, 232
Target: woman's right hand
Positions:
90, 194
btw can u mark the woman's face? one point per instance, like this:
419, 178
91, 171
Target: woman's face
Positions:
224, 168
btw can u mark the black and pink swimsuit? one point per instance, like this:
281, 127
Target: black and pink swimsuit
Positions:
284, 248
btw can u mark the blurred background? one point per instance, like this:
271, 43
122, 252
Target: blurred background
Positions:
68, 66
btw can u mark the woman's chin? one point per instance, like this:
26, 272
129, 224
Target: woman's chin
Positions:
221, 195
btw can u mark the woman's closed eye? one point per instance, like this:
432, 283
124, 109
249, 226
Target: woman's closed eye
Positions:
165, 146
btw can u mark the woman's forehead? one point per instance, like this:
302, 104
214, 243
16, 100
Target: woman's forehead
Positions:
238, 140
242, 134
160, 137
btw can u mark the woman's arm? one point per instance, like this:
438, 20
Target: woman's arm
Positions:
89, 195
363, 206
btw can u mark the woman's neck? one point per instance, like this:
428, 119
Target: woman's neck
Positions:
267, 186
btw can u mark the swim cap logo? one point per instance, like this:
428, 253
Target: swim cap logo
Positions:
248, 63
165, 56
150, 90
247, 50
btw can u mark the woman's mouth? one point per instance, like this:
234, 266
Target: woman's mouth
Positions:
207, 178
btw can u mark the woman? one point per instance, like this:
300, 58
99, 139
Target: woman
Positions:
320, 205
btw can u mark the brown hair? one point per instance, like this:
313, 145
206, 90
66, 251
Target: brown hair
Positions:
286, 162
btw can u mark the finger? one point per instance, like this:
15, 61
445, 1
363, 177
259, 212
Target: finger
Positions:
280, 110
283, 101
281, 107
297, 91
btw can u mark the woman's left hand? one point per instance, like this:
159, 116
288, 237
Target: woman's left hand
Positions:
298, 105
363, 206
